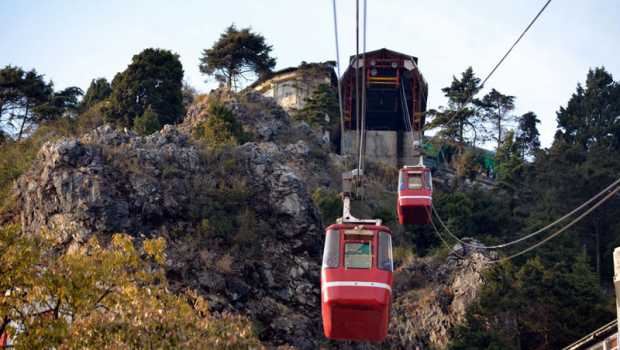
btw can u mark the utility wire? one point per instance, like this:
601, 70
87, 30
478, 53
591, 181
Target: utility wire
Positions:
521, 239
470, 98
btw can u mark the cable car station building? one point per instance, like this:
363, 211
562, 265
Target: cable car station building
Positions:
395, 90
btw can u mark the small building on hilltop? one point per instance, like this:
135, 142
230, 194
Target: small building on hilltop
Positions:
290, 87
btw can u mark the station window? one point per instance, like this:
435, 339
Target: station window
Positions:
384, 258
331, 253
358, 255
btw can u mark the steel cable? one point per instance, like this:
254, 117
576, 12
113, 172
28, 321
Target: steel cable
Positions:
539, 231
470, 98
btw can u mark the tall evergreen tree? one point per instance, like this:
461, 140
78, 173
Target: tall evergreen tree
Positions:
527, 134
154, 78
460, 113
496, 109
591, 116
21, 95
237, 53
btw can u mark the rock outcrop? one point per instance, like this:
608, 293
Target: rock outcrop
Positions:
432, 296
241, 226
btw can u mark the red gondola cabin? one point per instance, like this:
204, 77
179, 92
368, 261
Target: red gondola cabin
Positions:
356, 282
415, 195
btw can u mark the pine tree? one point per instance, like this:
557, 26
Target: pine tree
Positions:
496, 108
460, 114
237, 53
528, 139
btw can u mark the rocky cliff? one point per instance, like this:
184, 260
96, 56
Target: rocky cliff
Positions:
241, 224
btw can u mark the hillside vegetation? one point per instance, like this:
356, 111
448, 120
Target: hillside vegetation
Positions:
146, 214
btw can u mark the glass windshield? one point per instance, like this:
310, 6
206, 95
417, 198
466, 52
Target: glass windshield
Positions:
414, 181
358, 255
331, 253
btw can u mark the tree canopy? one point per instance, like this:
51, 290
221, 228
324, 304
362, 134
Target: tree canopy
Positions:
103, 298
154, 78
26, 99
460, 114
237, 53
496, 108
98, 90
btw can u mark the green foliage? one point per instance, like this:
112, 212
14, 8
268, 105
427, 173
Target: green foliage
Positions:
221, 128
510, 169
27, 100
236, 53
329, 203
93, 117
459, 116
321, 103
467, 165
550, 306
98, 90
474, 336
496, 108
147, 123
104, 298
590, 117
528, 135
153, 79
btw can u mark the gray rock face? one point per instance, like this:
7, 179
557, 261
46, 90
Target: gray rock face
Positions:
267, 264
431, 295
114, 181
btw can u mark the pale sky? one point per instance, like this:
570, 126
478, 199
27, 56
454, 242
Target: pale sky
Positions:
72, 42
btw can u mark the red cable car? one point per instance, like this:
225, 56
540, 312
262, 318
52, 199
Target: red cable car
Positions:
356, 282
415, 195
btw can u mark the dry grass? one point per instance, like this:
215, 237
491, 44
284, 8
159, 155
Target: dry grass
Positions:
225, 264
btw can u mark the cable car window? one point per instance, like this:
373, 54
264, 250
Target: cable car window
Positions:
357, 255
384, 259
414, 181
401, 182
331, 253
429, 180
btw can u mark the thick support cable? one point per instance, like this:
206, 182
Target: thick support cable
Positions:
535, 245
438, 233
470, 98
357, 83
338, 71
519, 240
558, 232
362, 146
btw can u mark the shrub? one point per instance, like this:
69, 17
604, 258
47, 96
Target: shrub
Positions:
329, 203
92, 118
221, 127
147, 123
402, 254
